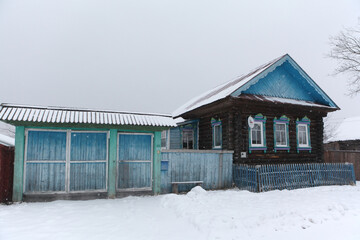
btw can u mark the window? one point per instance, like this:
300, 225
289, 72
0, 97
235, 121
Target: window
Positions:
164, 140
216, 133
281, 133
257, 136
303, 134
188, 139
217, 136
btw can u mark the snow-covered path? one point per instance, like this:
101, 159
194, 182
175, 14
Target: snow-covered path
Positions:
313, 213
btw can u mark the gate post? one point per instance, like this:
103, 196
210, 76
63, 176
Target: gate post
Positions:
157, 163
112, 163
19, 164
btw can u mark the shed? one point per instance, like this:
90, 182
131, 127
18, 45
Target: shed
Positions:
6, 167
273, 114
71, 153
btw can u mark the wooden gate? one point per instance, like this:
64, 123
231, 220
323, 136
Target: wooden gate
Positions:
134, 161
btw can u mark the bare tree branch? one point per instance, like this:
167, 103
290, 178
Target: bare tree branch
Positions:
346, 50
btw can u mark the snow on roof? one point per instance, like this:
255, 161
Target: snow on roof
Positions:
23, 113
349, 129
282, 100
232, 87
179, 120
7, 141
222, 90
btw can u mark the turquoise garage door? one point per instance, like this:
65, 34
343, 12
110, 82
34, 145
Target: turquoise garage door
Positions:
134, 161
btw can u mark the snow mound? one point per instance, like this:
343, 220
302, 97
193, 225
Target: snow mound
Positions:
196, 191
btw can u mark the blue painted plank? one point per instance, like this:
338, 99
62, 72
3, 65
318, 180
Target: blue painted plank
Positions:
45, 177
134, 175
46, 145
87, 176
87, 146
134, 147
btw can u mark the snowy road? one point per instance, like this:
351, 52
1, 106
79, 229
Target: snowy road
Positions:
313, 213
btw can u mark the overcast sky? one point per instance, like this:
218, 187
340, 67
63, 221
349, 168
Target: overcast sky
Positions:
153, 56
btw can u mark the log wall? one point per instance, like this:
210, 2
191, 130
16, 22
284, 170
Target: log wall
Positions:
235, 133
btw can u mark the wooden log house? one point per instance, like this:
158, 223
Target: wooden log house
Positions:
273, 114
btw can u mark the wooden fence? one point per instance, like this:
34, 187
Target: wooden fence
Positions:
344, 156
213, 167
292, 176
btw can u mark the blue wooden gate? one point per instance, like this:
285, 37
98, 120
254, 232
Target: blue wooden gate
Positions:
45, 161
65, 161
88, 159
134, 161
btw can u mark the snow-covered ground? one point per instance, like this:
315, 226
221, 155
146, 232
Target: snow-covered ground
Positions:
313, 213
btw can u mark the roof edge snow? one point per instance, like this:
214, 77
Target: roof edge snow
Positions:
7, 141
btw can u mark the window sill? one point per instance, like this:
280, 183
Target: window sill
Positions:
304, 149
282, 148
259, 148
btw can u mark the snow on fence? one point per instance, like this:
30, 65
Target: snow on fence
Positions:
291, 176
212, 167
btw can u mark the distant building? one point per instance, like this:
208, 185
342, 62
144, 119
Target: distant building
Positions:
347, 136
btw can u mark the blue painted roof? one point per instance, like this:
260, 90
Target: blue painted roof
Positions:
280, 78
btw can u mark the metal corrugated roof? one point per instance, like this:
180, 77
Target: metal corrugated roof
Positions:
23, 113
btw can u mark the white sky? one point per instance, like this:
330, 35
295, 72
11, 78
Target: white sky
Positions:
153, 56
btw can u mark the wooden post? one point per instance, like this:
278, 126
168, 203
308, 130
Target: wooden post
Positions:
157, 163
220, 170
19, 164
112, 163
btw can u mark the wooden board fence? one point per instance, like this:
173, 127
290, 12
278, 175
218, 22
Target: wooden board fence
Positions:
213, 168
292, 176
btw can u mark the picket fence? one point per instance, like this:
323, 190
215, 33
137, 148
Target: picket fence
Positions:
262, 178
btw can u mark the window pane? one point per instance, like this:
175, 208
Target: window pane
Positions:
253, 137
302, 131
256, 134
163, 139
188, 139
217, 136
280, 134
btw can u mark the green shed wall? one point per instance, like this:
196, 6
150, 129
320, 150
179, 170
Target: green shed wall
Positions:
112, 153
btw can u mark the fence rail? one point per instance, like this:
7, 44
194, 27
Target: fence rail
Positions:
292, 176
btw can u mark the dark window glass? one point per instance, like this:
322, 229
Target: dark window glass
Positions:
188, 139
